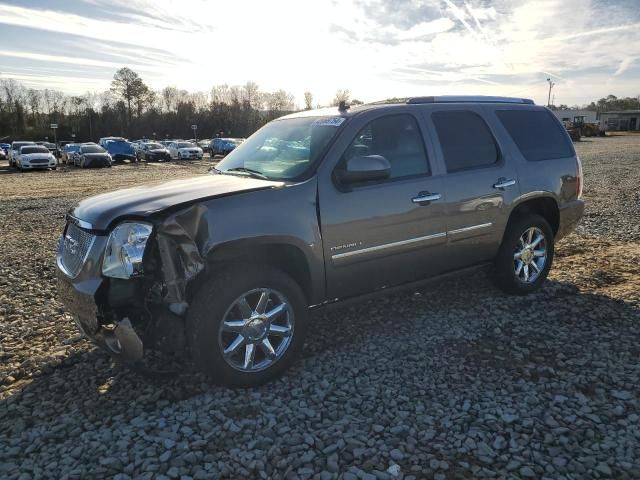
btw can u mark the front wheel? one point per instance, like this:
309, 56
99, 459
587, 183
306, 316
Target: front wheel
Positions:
525, 256
247, 325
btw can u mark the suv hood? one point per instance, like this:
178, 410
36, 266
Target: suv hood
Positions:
139, 202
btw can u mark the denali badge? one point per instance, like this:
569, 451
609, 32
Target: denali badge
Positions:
346, 245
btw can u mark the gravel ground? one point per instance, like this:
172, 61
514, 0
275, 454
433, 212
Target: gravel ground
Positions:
426, 384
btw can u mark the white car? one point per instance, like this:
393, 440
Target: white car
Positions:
35, 156
15, 150
184, 151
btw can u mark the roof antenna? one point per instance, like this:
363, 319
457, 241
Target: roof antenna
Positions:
342, 106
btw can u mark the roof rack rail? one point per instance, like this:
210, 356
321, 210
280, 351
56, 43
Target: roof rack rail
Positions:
468, 99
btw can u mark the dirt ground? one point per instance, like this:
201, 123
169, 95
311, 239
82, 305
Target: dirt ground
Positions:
456, 380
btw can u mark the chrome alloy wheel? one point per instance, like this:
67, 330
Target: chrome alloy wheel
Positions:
256, 330
530, 255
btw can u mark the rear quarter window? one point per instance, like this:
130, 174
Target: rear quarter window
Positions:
536, 133
465, 140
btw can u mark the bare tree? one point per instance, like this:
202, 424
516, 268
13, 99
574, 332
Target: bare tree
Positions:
221, 94
129, 86
308, 100
341, 96
170, 98
250, 94
280, 101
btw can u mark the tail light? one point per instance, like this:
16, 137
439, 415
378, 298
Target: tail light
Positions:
579, 181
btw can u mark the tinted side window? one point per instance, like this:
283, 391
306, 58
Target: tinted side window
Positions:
398, 139
465, 139
536, 133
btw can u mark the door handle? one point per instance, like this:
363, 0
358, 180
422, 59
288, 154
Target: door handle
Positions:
504, 183
426, 197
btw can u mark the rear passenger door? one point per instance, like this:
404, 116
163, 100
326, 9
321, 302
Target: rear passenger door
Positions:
481, 182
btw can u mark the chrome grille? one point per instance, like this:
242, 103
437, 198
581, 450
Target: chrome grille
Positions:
75, 247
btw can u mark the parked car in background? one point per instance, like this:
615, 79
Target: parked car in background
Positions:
185, 151
119, 149
68, 153
91, 155
103, 141
4, 150
204, 144
14, 151
153, 152
224, 146
336, 204
31, 157
137, 144
52, 147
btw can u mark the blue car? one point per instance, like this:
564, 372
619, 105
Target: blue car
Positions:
223, 146
119, 148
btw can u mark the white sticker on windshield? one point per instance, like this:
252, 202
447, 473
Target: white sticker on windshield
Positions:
329, 122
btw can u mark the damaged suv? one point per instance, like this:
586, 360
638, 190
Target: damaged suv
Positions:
316, 208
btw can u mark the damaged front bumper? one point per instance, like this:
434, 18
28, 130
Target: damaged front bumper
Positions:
80, 295
126, 316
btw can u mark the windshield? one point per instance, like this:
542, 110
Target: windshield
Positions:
153, 146
185, 145
28, 150
17, 145
72, 148
92, 149
284, 149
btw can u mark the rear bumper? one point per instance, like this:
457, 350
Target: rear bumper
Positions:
570, 215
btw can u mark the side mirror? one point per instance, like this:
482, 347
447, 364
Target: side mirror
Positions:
365, 169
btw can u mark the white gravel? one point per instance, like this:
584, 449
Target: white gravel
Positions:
454, 381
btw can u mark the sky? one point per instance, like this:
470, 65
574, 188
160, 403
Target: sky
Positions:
375, 48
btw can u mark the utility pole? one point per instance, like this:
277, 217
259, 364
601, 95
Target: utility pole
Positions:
551, 85
90, 129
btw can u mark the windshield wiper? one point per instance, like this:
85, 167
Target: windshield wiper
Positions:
252, 173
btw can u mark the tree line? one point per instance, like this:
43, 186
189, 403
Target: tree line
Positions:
130, 108
610, 103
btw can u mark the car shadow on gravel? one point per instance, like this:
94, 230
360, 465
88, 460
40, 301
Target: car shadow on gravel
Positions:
534, 338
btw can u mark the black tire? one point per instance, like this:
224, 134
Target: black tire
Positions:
505, 264
212, 301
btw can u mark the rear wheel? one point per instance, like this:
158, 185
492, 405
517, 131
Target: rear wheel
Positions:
247, 325
525, 256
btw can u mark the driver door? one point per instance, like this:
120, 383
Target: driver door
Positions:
383, 233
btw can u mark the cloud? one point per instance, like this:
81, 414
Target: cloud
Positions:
376, 48
624, 66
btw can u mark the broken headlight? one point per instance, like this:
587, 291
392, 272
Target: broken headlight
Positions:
125, 248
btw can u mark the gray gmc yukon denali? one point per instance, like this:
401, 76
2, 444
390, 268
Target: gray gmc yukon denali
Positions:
316, 208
